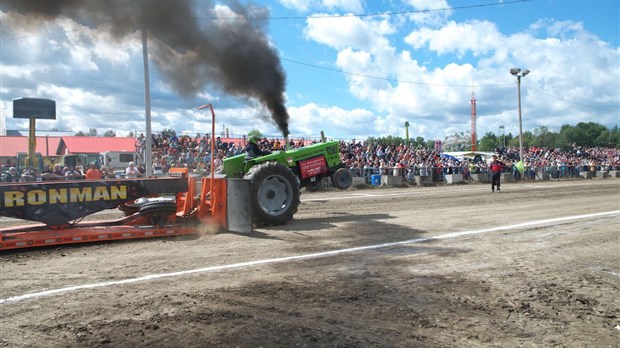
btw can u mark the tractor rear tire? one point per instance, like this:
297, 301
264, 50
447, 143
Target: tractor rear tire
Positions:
342, 179
275, 193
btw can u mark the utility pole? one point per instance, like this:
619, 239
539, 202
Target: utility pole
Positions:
148, 148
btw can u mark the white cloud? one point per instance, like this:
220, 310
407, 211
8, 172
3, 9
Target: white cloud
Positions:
474, 37
116, 52
566, 61
354, 6
342, 32
333, 120
299, 5
419, 68
429, 17
229, 16
77, 97
19, 71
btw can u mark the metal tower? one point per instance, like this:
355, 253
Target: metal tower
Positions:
473, 122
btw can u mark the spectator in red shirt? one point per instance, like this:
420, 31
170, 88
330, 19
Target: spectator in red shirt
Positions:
496, 172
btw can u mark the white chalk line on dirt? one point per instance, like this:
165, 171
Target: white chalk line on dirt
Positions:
418, 194
45, 293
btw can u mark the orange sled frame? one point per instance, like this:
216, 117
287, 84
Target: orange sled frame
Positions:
208, 207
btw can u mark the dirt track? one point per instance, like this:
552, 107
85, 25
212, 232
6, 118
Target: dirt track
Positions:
539, 268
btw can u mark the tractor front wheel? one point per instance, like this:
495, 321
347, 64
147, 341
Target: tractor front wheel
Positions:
275, 193
342, 179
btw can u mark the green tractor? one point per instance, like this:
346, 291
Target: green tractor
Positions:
278, 177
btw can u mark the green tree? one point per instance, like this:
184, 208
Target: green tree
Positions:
488, 142
593, 132
109, 133
609, 138
389, 140
168, 133
588, 134
386, 140
92, 132
507, 139
80, 134
528, 139
544, 138
584, 134
256, 133
614, 137
567, 136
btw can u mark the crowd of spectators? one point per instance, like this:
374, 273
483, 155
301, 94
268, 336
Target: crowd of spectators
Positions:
362, 158
194, 153
365, 159
60, 172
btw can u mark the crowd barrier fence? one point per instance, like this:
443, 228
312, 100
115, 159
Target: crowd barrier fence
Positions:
441, 174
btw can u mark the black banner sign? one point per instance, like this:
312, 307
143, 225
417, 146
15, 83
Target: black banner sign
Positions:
59, 202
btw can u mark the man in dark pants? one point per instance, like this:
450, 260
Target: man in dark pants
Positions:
496, 173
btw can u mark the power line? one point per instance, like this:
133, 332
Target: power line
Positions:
378, 14
438, 84
567, 101
392, 80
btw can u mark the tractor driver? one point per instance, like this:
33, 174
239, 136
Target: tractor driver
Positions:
252, 150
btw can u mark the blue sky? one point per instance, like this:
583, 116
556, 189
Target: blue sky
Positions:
353, 69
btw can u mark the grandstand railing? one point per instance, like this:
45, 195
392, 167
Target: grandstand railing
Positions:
438, 174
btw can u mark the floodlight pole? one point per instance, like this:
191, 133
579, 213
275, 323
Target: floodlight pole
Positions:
501, 140
519, 73
407, 133
33, 108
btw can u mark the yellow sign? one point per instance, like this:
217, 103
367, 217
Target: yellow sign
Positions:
64, 195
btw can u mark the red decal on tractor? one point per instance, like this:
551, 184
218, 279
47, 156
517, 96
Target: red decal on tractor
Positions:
313, 167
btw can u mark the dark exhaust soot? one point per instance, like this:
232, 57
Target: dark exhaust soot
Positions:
194, 43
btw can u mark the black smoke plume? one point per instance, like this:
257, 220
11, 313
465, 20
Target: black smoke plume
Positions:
192, 44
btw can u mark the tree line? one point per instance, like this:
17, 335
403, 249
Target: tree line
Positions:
584, 134
93, 133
